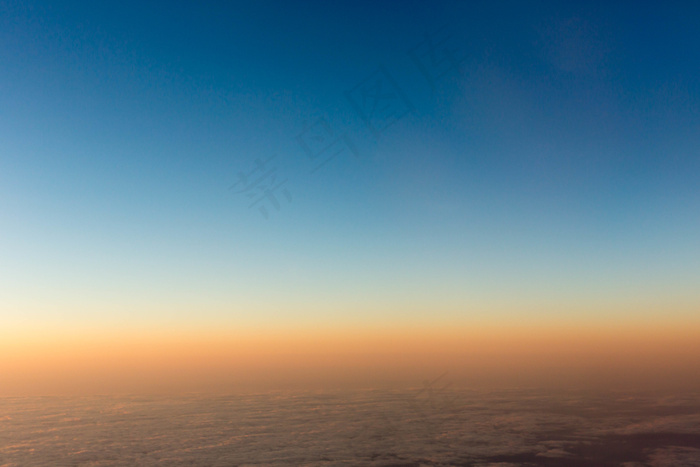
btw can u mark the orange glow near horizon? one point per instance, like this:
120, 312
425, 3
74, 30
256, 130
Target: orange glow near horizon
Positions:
225, 361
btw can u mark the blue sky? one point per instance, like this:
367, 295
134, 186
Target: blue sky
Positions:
556, 168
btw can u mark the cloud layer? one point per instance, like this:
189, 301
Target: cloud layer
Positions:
432, 425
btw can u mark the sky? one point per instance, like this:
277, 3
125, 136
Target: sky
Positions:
233, 171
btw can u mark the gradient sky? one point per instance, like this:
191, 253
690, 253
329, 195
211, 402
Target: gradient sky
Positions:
551, 178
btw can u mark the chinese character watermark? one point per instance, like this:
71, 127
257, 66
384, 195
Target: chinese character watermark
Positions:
321, 143
261, 187
379, 101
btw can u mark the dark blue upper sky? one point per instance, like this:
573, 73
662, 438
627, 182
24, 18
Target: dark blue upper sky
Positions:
555, 162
